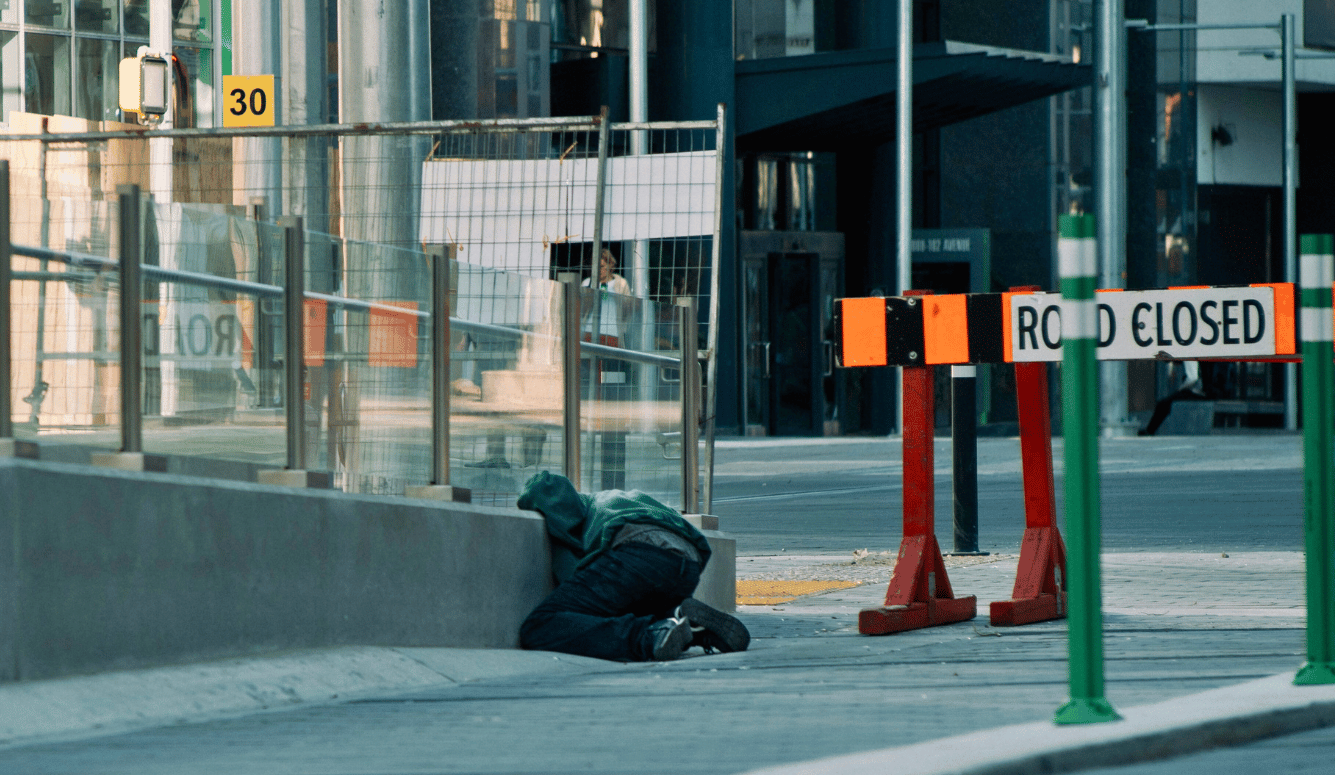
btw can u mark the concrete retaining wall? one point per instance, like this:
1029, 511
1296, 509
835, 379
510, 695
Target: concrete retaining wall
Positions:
103, 569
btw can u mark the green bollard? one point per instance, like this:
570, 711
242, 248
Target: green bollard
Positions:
1080, 416
1316, 280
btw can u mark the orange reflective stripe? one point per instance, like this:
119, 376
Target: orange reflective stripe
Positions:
864, 331
1007, 344
945, 329
1285, 329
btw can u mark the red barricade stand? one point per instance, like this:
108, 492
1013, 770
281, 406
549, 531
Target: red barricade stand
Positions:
1040, 577
920, 593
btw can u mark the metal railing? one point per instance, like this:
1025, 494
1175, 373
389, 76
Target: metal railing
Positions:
533, 197
297, 303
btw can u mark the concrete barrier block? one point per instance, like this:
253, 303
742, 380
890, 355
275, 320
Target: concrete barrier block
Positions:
718, 582
112, 569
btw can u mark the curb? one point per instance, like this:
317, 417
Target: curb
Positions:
1227, 716
75, 708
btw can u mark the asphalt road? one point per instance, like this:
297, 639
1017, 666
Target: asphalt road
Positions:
1210, 494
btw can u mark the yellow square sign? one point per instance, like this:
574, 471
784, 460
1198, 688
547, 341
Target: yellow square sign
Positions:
248, 100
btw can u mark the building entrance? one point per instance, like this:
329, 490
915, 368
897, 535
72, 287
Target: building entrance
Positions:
790, 283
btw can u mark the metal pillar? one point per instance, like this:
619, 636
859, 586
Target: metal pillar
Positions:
688, 324
6, 315
304, 101
904, 164
1110, 196
570, 372
1290, 176
131, 321
440, 366
375, 42
639, 139
294, 330
258, 43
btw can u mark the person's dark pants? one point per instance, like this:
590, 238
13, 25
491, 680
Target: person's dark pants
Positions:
605, 609
1165, 405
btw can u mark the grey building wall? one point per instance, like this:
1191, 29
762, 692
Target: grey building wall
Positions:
995, 169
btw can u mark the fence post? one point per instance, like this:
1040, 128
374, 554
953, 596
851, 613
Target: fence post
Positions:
440, 488
131, 320
294, 362
1077, 259
294, 340
9, 446
1317, 280
6, 318
131, 456
257, 211
690, 408
570, 370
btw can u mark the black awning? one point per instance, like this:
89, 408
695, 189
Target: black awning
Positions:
832, 100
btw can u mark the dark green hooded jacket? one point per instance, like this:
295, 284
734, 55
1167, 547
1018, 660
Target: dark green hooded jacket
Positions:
583, 526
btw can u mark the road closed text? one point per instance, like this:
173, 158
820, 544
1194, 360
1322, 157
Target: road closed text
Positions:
1236, 322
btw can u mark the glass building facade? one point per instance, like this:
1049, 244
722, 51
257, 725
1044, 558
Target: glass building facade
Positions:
60, 57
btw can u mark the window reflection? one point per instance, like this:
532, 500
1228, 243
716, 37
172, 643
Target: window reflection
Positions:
47, 13
95, 88
95, 16
190, 20
11, 98
47, 70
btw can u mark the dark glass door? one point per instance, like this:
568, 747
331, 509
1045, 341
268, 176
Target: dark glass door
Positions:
797, 392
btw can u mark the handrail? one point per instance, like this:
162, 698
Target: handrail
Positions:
398, 128
99, 263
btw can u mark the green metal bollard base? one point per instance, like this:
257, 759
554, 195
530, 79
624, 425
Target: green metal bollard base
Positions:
1085, 712
1315, 674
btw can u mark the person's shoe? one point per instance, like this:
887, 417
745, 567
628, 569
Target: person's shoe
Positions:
713, 629
670, 638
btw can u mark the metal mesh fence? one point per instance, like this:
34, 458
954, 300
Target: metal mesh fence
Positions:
516, 203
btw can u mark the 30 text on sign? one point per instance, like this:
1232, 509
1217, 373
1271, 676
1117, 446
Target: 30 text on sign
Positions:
248, 100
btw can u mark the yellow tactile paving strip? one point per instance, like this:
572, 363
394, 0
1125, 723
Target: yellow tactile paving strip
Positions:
766, 592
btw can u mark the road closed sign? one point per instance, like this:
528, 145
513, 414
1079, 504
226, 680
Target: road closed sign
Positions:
1214, 322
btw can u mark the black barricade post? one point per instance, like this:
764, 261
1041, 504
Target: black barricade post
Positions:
964, 436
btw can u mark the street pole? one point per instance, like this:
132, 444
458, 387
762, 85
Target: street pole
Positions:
1110, 202
904, 149
1290, 200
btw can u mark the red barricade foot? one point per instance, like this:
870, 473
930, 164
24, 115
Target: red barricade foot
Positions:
1039, 593
898, 618
1009, 613
919, 595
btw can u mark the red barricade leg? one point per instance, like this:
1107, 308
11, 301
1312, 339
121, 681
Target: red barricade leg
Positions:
919, 593
1040, 578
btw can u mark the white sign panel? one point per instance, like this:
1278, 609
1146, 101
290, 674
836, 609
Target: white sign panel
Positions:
1136, 325
506, 214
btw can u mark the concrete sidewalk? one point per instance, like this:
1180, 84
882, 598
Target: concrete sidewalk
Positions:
1190, 666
